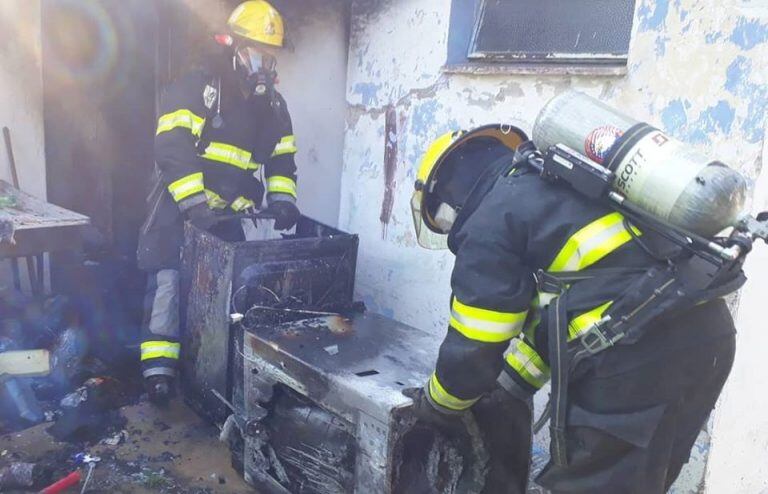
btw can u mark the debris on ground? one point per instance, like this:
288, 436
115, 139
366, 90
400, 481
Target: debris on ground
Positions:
21, 475
332, 349
170, 451
74, 389
115, 439
90, 412
19, 407
55, 424
70, 480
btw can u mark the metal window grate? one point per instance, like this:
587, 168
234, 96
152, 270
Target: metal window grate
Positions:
553, 31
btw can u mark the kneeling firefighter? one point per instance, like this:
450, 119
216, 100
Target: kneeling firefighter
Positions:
634, 410
223, 139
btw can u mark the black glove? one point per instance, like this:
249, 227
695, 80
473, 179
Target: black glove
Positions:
286, 214
202, 216
448, 423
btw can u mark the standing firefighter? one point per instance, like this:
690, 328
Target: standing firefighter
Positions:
223, 139
634, 410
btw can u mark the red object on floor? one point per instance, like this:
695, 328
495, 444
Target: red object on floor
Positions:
63, 484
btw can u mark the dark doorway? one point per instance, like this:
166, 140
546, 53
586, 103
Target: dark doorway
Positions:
99, 66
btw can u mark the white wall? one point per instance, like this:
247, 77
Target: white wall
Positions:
313, 80
698, 68
739, 458
21, 99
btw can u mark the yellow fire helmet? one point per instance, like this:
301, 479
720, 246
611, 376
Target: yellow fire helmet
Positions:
441, 161
259, 21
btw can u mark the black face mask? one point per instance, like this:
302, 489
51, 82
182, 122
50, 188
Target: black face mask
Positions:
256, 71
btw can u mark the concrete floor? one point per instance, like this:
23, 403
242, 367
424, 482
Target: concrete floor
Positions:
167, 451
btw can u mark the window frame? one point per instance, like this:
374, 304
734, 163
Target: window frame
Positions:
521, 62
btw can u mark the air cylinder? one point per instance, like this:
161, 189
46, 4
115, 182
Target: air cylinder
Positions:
662, 175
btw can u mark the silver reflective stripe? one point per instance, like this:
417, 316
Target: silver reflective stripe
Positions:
159, 371
277, 196
164, 319
509, 385
191, 201
509, 329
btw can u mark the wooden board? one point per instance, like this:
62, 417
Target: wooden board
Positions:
27, 212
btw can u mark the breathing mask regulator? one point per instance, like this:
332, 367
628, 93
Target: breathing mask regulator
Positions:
254, 64
256, 72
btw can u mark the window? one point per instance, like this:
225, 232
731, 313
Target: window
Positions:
540, 36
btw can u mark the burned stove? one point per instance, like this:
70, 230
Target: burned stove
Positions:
308, 387
323, 409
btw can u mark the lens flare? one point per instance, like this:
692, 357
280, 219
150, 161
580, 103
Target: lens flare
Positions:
82, 43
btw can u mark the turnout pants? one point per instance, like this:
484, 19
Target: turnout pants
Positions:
160, 242
160, 346
635, 411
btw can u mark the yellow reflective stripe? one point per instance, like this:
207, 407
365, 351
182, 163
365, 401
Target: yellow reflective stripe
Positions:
181, 119
445, 399
186, 186
214, 200
241, 203
528, 364
160, 349
485, 325
583, 322
281, 185
592, 243
487, 314
287, 145
231, 155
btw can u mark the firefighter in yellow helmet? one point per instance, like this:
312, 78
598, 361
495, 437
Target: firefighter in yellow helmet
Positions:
538, 266
224, 141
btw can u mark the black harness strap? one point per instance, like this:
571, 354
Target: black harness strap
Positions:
560, 370
658, 291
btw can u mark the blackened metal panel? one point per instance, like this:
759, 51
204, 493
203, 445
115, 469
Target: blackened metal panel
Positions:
353, 368
313, 270
206, 281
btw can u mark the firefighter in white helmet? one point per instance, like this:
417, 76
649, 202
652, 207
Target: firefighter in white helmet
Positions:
224, 139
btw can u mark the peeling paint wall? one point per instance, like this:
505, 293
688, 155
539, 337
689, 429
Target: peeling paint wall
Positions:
698, 68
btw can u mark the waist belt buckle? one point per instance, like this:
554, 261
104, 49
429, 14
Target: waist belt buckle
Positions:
547, 283
596, 339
